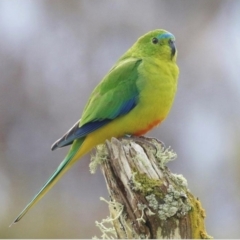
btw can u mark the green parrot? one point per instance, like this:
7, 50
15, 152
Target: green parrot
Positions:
134, 96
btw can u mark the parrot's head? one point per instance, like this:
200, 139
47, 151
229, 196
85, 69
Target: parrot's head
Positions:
159, 43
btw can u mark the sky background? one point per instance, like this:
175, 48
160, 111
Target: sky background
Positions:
52, 55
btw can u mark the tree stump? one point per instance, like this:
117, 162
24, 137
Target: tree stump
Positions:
146, 199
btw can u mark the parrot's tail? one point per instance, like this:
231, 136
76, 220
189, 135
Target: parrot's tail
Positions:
62, 168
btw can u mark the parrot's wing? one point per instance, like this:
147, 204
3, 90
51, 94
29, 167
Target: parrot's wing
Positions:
116, 95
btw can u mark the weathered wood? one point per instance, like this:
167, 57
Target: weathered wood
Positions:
147, 200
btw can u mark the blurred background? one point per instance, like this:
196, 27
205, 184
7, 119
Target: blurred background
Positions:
52, 55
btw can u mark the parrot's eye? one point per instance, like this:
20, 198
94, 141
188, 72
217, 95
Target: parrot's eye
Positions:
154, 40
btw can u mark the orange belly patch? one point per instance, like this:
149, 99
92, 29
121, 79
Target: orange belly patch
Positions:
148, 128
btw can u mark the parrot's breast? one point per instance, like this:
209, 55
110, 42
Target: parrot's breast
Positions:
157, 87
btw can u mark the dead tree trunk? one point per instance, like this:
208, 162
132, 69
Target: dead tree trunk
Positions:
147, 200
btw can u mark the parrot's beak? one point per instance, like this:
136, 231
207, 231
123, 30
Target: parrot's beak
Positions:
173, 48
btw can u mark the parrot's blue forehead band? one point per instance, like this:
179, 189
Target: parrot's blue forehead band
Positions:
165, 35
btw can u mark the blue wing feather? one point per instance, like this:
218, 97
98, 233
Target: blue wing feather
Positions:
79, 132
89, 127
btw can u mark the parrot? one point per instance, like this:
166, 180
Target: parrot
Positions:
135, 96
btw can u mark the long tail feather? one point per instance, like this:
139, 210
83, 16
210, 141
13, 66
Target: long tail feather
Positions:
62, 168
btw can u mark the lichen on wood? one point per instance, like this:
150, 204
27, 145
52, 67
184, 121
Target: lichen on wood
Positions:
155, 202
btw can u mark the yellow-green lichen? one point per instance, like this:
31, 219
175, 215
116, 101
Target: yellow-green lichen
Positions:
141, 182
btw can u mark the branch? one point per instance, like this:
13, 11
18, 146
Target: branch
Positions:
147, 200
